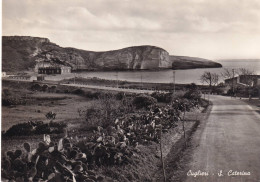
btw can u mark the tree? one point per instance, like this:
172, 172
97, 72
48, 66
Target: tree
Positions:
244, 71
209, 78
227, 73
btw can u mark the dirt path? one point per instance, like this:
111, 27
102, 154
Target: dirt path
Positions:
227, 148
111, 88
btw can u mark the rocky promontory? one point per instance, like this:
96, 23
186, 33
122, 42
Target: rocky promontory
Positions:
22, 53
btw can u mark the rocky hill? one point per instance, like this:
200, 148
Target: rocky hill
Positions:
20, 53
185, 62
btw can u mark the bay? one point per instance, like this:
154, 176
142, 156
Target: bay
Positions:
167, 76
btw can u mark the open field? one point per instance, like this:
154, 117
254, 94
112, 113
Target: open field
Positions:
133, 120
64, 105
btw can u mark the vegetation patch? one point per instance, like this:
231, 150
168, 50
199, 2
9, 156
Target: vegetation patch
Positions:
35, 128
123, 128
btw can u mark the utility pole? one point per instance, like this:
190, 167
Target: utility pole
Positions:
74, 78
173, 82
116, 79
233, 70
141, 80
208, 97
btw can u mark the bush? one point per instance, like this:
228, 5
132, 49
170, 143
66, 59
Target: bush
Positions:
6, 93
120, 95
93, 115
50, 115
36, 87
102, 112
193, 92
52, 89
143, 101
35, 128
11, 101
20, 129
78, 92
45, 88
192, 95
88, 94
162, 97
217, 90
96, 95
191, 86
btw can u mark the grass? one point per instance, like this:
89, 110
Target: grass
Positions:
64, 105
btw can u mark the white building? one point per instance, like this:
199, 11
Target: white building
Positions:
4, 74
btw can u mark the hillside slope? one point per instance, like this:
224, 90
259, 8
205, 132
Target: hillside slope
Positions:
22, 53
185, 62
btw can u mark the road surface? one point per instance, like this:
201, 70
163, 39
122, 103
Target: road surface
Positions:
228, 147
112, 88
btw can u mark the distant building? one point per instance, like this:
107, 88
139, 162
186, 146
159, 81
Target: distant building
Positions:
65, 69
22, 77
42, 64
258, 82
4, 74
244, 80
40, 78
54, 70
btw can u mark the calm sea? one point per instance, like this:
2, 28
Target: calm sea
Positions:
166, 76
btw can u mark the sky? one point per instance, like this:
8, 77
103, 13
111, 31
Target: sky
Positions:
211, 29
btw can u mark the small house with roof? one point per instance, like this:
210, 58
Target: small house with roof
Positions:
54, 70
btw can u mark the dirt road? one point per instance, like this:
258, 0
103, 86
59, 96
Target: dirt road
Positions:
228, 144
111, 88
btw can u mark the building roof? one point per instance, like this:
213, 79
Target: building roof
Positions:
55, 67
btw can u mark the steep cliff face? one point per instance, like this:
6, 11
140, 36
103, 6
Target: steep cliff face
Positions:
18, 52
22, 53
140, 57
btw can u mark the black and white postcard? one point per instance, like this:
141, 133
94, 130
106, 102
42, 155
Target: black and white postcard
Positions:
130, 90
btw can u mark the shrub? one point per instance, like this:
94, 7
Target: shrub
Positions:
11, 101
92, 115
162, 97
36, 87
193, 92
102, 112
96, 95
50, 115
20, 129
192, 95
230, 92
192, 86
120, 95
78, 92
52, 88
45, 88
143, 101
35, 127
6, 93
217, 90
